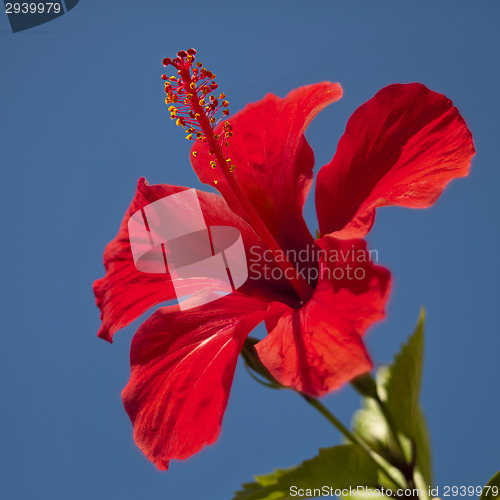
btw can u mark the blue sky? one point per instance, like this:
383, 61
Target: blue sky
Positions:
83, 118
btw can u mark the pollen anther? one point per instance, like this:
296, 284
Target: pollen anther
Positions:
192, 104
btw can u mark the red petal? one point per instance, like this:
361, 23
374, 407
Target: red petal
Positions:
182, 370
318, 348
273, 159
125, 293
400, 148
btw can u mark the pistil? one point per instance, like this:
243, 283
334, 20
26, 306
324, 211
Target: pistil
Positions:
194, 107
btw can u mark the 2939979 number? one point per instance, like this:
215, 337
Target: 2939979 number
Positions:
33, 8
463, 491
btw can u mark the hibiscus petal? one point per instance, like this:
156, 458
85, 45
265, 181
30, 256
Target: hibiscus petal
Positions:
182, 369
273, 160
319, 347
125, 293
402, 147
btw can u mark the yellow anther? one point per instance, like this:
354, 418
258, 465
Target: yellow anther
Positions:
222, 96
190, 58
199, 64
217, 137
192, 85
215, 182
228, 160
232, 168
199, 135
202, 102
225, 104
212, 98
195, 153
212, 120
189, 137
213, 76
190, 129
172, 78
213, 164
179, 122
197, 115
171, 108
229, 134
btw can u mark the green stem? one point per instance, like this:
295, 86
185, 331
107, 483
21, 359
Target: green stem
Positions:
352, 437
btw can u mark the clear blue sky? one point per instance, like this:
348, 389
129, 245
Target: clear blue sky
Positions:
83, 118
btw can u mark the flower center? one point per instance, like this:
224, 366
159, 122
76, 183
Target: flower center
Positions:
194, 106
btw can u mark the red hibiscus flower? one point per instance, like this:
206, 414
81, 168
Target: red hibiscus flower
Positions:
400, 148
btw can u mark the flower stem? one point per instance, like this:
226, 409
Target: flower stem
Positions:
352, 437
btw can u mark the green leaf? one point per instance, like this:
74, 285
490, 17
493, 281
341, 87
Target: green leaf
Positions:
248, 490
402, 393
494, 490
423, 447
338, 467
261, 481
403, 386
398, 387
